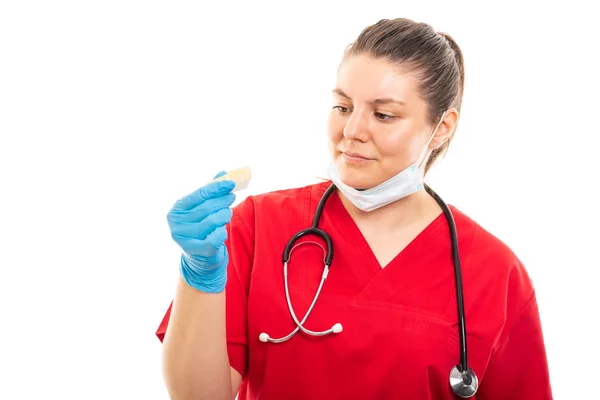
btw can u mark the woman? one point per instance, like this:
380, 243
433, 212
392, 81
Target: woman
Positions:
390, 295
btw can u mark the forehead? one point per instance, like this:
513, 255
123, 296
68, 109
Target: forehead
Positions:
364, 78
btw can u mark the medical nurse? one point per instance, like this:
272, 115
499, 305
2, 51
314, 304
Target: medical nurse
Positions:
391, 289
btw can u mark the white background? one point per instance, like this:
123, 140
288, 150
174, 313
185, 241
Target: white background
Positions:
111, 110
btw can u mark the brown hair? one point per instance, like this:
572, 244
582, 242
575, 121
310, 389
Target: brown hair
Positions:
417, 47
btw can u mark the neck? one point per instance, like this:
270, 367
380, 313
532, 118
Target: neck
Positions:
400, 214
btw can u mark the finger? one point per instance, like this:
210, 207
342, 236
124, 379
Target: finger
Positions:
210, 206
201, 211
213, 222
217, 237
200, 230
220, 174
208, 191
206, 248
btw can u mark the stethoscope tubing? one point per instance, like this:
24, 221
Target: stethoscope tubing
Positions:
463, 379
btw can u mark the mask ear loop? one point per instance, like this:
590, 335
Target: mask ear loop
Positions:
425, 153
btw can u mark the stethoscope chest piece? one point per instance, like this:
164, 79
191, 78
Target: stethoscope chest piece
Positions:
464, 384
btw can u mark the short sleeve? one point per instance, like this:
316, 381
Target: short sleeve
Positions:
240, 246
518, 367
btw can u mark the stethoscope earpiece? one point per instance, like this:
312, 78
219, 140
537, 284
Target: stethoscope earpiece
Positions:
337, 328
263, 337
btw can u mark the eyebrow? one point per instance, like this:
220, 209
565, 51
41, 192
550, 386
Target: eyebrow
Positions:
385, 100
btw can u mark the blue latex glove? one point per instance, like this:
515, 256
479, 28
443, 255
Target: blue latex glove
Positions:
197, 222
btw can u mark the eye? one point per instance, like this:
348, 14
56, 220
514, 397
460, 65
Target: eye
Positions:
341, 109
384, 117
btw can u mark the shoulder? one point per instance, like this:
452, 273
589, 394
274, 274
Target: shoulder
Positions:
491, 265
288, 201
290, 196
485, 244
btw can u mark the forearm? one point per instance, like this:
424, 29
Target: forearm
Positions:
195, 360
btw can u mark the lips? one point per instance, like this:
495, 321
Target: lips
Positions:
355, 155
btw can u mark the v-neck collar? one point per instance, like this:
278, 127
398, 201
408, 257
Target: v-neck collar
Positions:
357, 239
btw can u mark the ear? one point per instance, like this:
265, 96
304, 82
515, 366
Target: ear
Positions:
446, 129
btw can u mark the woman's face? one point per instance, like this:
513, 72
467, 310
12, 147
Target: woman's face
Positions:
378, 125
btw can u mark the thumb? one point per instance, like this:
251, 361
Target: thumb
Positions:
220, 174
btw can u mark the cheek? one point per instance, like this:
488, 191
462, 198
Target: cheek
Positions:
390, 144
396, 149
335, 129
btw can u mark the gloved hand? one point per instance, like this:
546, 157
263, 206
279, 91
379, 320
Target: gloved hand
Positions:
197, 222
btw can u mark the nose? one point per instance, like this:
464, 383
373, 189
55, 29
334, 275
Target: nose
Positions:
357, 126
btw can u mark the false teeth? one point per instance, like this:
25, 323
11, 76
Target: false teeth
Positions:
241, 177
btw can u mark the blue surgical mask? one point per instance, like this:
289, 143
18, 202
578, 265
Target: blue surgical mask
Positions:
403, 184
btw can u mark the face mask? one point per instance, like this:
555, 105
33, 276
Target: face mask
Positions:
403, 184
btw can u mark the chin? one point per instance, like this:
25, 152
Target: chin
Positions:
357, 178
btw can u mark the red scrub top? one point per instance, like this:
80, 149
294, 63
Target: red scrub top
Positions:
400, 336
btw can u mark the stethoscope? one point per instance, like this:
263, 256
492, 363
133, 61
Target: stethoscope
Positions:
463, 380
